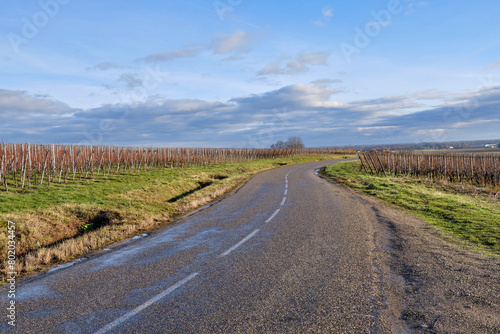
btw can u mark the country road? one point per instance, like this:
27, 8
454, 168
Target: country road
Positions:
288, 252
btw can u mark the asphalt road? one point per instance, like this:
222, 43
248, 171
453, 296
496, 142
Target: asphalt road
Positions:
288, 252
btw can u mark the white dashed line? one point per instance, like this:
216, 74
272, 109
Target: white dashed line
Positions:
177, 285
240, 243
138, 309
272, 216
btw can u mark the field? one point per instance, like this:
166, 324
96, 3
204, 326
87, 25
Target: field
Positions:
26, 165
61, 221
465, 213
481, 169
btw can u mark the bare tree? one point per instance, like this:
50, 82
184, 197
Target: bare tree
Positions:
292, 142
295, 142
279, 144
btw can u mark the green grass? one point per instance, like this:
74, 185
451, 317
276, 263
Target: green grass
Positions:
132, 189
470, 220
102, 191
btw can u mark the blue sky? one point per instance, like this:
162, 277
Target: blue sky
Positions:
241, 73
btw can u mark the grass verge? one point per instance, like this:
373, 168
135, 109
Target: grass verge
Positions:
60, 222
464, 215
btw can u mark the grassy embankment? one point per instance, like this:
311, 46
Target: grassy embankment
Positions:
465, 214
60, 222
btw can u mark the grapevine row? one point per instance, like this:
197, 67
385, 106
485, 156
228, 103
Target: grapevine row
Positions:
25, 165
479, 169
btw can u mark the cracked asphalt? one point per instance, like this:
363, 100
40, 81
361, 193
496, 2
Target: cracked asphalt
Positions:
288, 252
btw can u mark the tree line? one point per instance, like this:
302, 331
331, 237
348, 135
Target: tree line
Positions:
293, 142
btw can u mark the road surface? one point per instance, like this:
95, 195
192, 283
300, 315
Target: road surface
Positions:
288, 252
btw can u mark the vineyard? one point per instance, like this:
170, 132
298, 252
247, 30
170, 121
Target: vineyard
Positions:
479, 169
26, 165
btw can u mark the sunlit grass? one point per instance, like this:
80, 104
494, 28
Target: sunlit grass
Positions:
472, 220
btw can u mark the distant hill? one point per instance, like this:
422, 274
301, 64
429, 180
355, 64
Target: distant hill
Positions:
432, 145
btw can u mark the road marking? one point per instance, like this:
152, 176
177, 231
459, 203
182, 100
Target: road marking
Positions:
286, 185
240, 243
283, 201
138, 309
272, 216
286, 191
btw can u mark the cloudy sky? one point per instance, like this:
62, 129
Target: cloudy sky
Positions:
241, 73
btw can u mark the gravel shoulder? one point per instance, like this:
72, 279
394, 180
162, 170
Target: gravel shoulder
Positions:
432, 285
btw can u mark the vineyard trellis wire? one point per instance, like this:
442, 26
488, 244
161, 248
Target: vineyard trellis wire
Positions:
480, 169
25, 165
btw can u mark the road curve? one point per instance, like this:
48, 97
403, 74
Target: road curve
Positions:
288, 252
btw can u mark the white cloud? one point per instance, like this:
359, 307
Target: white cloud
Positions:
298, 65
308, 110
233, 58
130, 80
497, 64
314, 58
272, 68
327, 11
389, 105
104, 66
239, 42
430, 94
325, 82
326, 15
293, 97
13, 101
412, 5
429, 133
171, 55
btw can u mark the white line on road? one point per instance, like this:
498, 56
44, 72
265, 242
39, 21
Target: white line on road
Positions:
286, 191
138, 309
240, 243
283, 201
272, 216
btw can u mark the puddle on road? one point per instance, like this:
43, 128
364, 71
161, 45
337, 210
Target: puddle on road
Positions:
34, 291
62, 266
